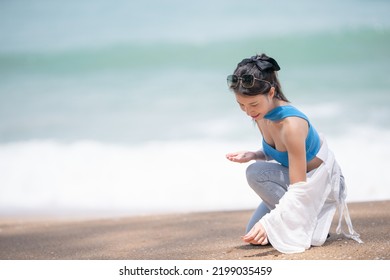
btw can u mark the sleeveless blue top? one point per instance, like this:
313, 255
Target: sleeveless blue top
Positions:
313, 142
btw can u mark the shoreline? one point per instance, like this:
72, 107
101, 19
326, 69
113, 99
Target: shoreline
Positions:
182, 236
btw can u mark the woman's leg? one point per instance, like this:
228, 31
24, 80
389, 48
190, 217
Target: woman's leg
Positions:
261, 210
270, 181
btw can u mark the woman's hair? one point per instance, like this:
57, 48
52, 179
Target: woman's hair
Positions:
261, 67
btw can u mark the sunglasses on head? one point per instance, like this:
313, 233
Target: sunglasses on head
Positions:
247, 81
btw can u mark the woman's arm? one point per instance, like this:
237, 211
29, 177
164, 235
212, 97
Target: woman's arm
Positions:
245, 156
293, 135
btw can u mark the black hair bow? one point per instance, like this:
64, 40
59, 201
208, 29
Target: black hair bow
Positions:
262, 62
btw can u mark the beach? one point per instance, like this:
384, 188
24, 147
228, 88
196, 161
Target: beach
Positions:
116, 119
182, 236
137, 118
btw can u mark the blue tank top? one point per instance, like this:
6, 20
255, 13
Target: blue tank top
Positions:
313, 142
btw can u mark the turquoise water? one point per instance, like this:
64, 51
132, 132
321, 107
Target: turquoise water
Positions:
43, 93
100, 80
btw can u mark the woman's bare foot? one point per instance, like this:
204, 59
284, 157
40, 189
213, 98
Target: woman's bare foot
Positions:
265, 242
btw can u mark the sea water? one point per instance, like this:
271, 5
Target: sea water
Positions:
122, 107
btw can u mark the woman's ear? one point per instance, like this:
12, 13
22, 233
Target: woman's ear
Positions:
271, 93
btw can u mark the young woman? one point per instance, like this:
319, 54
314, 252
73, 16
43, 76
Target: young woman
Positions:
295, 174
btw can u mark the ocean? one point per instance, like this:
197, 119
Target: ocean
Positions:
121, 108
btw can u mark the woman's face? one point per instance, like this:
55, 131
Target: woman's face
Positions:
255, 106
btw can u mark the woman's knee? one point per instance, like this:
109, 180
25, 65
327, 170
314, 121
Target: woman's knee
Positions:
269, 181
261, 172
256, 172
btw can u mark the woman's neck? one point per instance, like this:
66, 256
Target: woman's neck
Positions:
277, 103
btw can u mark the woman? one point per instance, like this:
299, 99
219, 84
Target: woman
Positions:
295, 175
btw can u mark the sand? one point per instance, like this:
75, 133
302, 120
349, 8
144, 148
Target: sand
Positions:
183, 236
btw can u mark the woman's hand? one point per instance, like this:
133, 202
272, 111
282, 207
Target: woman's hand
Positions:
256, 235
241, 157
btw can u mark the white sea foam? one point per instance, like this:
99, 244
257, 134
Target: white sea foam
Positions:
92, 177
364, 157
